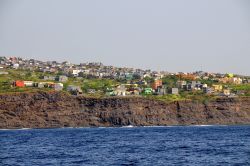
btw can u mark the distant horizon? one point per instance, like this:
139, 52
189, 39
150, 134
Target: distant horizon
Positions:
163, 35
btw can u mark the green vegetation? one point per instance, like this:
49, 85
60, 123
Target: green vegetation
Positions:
208, 81
166, 98
170, 80
243, 87
194, 96
99, 85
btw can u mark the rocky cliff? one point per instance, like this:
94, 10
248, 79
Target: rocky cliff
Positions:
47, 110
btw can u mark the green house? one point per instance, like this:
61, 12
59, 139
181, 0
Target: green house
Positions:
148, 91
110, 93
128, 76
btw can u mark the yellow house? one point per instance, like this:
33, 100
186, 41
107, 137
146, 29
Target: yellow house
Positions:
230, 75
226, 92
217, 88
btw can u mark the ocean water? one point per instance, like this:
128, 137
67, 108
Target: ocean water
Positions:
182, 145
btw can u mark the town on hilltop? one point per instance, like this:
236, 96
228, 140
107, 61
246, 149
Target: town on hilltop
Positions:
18, 75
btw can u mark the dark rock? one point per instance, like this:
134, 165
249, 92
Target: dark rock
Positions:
53, 109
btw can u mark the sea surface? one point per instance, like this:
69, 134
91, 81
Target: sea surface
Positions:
182, 145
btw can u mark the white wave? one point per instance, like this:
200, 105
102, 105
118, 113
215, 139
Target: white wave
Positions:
18, 129
162, 126
24, 129
206, 125
82, 127
129, 126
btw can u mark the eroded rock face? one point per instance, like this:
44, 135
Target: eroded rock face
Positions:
47, 110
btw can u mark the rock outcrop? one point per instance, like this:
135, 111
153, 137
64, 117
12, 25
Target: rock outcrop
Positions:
53, 109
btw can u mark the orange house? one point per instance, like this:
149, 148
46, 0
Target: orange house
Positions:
186, 76
19, 83
156, 84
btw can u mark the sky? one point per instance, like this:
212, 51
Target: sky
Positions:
169, 35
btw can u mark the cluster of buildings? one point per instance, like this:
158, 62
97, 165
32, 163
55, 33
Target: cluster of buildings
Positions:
216, 89
133, 81
75, 90
88, 70
52, 85
158, 88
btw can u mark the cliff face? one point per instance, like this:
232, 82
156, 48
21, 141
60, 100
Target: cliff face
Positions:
45, 110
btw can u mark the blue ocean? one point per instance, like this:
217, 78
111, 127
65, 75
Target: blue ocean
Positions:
176, 145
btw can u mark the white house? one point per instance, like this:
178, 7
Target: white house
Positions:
28, 83
58, 86
76, 72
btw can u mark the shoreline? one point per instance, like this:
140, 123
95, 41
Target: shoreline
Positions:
127, 127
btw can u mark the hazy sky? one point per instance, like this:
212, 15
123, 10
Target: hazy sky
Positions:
176, 35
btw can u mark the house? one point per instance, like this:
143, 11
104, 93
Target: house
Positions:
29, 83
51, 78
141, 82
189, 87
52, 70
217, 88
15, 65
230, 75
41, 85
74, 90
204, 86
58, 86
148, 91
157, 83
208, 90
236, 80
195, 85
186, 76
133, 91
110, 92
46, 85
128, 76
19, 83
245, 81
62, 79
76, 72
161, 90
147, 75
4, 73
232, 80
136, 91
91, 91
181, 84
120, 90
49, 84
174, 91
226, 92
